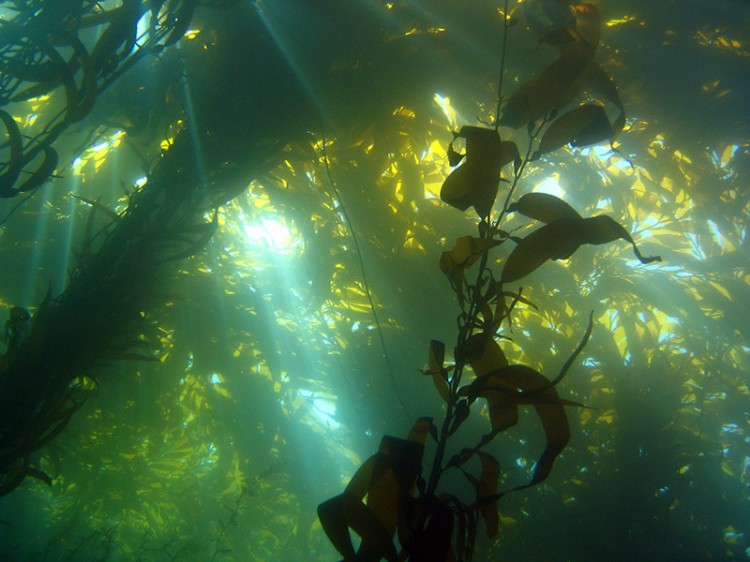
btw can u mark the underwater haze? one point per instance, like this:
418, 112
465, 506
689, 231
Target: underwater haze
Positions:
361, 280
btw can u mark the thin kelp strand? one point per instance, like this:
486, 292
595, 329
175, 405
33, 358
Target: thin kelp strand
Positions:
506, 24
362, 268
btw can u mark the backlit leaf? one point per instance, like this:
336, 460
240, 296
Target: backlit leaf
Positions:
488, 482
474, 183
543, 207
583, 126
554, 88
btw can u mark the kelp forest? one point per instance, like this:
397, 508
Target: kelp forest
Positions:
371, 280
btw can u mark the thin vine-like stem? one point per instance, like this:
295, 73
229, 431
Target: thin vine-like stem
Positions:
506, 24
466, 329
365, 282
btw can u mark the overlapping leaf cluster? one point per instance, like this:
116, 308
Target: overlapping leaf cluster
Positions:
389, 497
44, 56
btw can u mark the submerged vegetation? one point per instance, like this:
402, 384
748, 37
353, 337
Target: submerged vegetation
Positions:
191, 191
433, 524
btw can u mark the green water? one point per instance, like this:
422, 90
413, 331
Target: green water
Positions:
313, 136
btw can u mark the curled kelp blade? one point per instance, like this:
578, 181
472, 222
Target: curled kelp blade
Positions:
43, 172
435, 368
14, 164
560, 239
603, 229
504, 391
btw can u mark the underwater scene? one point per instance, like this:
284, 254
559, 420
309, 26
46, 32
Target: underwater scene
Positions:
363, 280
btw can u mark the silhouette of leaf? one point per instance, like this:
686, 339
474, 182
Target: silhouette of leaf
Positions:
560, 239
603, 229
487, 488
474, 183
504, 390
435, 368
543, 207
465, 253
419, 431
555, 87
483, 353
583, 126
557, 240
588, 23
598, 81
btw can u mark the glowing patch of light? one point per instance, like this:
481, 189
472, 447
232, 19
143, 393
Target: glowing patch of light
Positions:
697, 252
140, 182
270, 233
323, 410
445, 104
216, 378
144, 24
599, 151
551, 186
718, 237
730, 428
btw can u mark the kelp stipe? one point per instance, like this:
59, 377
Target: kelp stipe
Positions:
398, 512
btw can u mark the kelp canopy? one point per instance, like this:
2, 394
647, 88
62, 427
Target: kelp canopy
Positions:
193, 363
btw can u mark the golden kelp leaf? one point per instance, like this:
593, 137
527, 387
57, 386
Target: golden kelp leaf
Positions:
466, 251
435, 360
474, 183
421, 429
598, 81
369, 472
333, 521
487, 488
15, 161
557, 240
603, 229
362, 520
551, 413
543, 207
588, 23
436, 356
383, 501
555, 87
500, 396
585, 125
548, 405
483, 353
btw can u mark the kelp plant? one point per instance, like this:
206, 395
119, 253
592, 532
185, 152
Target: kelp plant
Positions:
402, 501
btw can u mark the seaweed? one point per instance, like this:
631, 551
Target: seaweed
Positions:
395, 502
